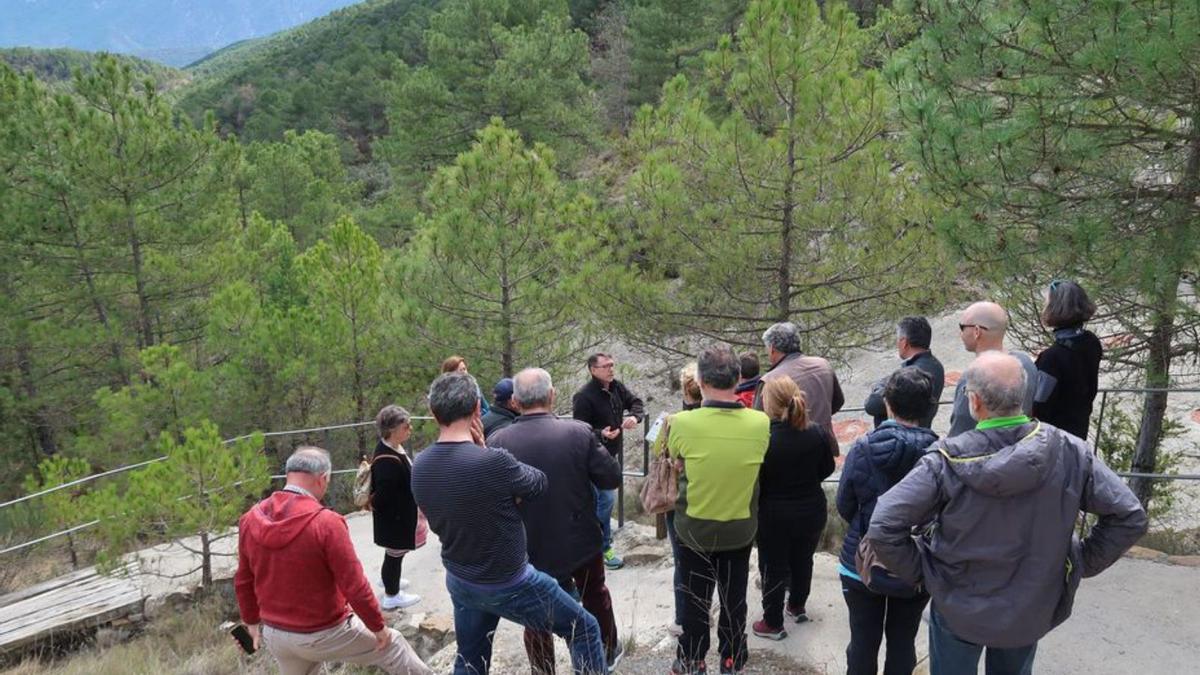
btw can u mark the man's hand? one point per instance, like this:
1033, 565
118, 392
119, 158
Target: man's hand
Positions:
629, 423
383, 638
255, 635
610, 432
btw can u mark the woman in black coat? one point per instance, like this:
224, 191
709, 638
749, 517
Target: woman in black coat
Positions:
393, 509
791, 506
1068, 370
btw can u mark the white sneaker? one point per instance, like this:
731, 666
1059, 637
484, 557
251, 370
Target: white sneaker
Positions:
399, 601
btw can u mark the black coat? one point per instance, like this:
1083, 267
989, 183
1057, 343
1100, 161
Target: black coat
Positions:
599, 408
561, 527
1068, 378
393, 509
796, 462
927, 362
496, 419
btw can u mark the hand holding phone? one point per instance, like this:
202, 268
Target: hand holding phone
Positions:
247, 637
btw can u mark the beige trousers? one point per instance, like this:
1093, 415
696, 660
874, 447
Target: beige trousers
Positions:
348, 642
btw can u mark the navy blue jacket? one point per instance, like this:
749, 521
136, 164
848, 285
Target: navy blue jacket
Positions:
876, 462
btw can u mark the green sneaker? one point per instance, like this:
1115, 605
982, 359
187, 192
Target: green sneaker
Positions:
612, 561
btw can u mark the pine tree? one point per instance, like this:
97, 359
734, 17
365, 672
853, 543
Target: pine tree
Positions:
1065, 137
771, 191
500, 262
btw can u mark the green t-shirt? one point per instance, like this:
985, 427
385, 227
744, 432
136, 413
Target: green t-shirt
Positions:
722, 447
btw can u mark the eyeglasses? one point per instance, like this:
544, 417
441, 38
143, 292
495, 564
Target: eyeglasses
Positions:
605, 366
964, 326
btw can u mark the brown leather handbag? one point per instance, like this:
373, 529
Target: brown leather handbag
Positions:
661, 488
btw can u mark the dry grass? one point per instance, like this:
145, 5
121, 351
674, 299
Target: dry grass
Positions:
181, 643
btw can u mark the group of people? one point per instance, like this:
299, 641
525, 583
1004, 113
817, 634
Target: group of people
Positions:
980, 525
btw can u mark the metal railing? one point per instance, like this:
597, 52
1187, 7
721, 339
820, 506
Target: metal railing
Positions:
620, 502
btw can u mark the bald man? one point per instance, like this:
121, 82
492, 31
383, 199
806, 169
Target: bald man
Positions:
981, 328
1002, 563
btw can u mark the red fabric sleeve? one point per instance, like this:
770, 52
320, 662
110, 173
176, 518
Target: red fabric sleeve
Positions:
243, 581
348, 571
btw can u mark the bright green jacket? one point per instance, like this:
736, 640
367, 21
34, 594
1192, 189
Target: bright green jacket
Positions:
722, 446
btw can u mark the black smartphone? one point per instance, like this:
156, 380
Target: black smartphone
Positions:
242, 635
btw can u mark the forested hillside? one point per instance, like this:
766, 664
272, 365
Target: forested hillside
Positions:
174, 32
308, 228
58, 66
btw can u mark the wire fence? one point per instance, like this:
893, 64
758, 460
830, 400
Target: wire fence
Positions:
326, 436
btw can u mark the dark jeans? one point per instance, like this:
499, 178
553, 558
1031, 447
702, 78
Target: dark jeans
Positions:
788, 535
949, 655
537, 602
680, 595
728, 572
588, 582
871, 617
605, 499
390, 573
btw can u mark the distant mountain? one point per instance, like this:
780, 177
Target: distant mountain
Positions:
57, 66
175, 32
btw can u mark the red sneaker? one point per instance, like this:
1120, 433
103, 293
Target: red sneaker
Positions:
764, 630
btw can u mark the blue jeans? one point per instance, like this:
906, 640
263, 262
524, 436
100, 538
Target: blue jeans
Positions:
605, 499
537, 602
949, 655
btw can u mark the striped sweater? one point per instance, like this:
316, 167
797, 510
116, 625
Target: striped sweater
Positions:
468, 494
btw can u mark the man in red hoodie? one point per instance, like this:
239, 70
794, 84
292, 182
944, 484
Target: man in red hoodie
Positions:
298, 576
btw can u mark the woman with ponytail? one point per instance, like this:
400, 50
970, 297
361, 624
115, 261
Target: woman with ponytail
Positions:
791, 506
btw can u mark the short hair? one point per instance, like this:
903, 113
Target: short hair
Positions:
452, 363
595, 358
783, 400
689, 384
1002, 398
916, 330
453, 396
783, 337
309, 459
390, 418
1067, 305
749, 363
909, 393
718, 367
532, 387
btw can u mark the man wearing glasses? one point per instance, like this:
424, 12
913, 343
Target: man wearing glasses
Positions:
981, 328
609, 408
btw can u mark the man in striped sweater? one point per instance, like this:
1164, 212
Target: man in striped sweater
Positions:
470, 495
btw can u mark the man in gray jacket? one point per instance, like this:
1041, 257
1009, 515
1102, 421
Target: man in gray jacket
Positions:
999, 504
981, 328
813, 374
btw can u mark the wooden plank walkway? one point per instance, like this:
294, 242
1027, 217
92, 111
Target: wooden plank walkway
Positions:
78, 601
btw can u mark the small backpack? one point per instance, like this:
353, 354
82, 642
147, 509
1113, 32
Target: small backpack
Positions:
362, 482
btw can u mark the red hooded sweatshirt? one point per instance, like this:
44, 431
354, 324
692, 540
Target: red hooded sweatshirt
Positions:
297, 569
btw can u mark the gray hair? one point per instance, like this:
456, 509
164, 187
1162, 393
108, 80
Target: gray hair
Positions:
452, 397
1002, 396
389, 419
532, 388
309, 459
719, 367
783, 337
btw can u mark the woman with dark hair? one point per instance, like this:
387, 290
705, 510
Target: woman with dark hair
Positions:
877, 462
1068, 370
791, 506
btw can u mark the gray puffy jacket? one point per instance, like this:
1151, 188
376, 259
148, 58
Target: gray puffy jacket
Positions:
999, 556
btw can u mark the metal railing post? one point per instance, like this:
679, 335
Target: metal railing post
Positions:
1100, 423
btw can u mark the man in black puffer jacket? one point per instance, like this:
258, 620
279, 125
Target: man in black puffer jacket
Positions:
876, 462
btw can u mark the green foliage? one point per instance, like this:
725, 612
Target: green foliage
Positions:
670, 37
199, 490
1118, 443
324, 75
58, 66
501, 264
1057, 134
299, 181
518, 60
770, 191
60, 510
